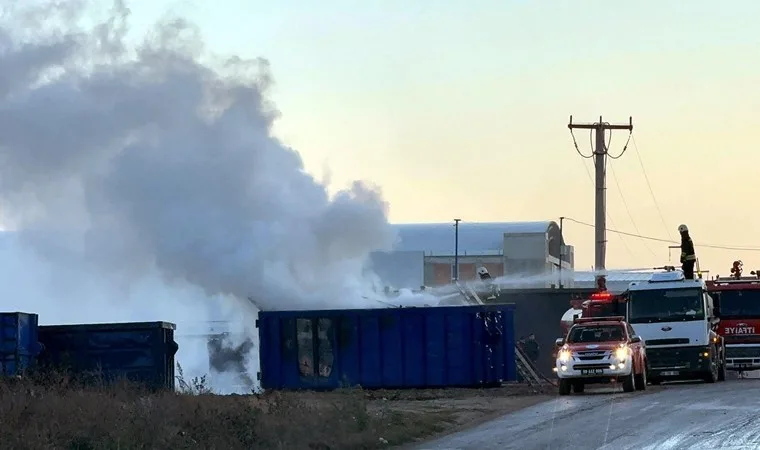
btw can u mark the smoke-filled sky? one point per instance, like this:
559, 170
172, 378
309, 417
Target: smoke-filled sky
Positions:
141, 181
460, 109
148, 157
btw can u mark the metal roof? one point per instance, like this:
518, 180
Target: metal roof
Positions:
613, 276
474, 238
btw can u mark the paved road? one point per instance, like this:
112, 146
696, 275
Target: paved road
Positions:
676, 416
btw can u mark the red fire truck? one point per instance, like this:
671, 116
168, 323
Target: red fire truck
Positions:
599, 304
737, 299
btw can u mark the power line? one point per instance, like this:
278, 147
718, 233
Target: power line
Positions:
578, 149
627, 209
591, 180
649, 185
620, 191
670, 241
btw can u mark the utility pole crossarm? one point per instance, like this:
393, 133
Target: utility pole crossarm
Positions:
594, 126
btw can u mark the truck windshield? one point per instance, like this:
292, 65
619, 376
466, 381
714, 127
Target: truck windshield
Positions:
599, 333
665, 305
740, 304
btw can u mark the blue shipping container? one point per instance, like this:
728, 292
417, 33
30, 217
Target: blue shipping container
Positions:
464, 346
139, 351
19, 344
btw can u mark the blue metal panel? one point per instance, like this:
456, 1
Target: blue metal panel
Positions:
387, 348
142, 352
19, 344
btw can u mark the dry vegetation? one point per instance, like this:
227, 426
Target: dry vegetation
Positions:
58, 413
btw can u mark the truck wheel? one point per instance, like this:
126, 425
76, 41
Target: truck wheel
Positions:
578, 387
564, 387
641, 380
629, 382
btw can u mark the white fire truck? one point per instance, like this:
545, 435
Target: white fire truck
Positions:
677, 320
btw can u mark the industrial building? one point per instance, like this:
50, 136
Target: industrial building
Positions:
424, 254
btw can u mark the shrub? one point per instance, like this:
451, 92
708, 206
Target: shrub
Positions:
53, 411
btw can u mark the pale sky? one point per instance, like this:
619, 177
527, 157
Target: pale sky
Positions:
460, 108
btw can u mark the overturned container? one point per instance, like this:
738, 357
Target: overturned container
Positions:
456, 346
142, 352
19, 343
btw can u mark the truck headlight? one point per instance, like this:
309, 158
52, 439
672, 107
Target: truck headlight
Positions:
621, 353
564, 356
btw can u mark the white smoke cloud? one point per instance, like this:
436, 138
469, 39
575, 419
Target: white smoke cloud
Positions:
144, 184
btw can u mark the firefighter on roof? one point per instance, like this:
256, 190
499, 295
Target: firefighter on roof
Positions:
483, 273
601, 283
688, 256
736, 270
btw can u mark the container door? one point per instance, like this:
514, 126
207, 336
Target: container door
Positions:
493, 355
315, 348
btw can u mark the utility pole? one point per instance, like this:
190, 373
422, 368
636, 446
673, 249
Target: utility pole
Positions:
561, 247
456, 249
600, 163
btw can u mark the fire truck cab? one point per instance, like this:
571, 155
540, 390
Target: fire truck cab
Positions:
737, 301
599, 304
604, 304
677, 320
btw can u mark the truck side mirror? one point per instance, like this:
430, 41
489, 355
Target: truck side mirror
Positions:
635, 339
559, 342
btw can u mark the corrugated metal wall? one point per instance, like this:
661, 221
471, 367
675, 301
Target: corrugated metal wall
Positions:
387, 348
19, 344
139, 351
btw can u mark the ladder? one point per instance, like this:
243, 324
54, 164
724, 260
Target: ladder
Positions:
528, 371
469, 293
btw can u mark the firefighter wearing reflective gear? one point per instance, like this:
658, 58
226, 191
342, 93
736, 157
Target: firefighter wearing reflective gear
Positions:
483, 273
688, 256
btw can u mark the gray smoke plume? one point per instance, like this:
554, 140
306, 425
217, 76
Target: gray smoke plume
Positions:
227, 356
158, 159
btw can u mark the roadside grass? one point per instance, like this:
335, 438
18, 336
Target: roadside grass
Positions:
55, 411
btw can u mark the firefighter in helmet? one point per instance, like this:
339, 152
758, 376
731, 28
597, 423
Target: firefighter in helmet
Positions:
688, 256
483, 273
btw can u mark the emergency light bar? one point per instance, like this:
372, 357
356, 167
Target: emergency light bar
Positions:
601, 296
736, 280
734, 284
665, 277
599, 319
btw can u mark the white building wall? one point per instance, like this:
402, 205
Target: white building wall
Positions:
404, 269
